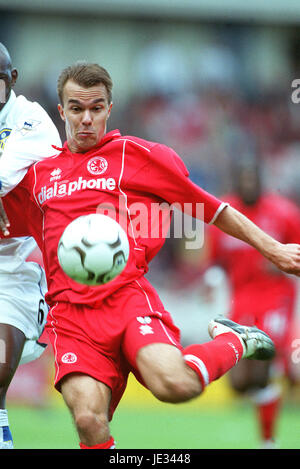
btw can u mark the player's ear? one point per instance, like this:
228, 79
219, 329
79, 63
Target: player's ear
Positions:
109, 109
61, 112
14, 76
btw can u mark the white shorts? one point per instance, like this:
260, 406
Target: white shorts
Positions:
22, 305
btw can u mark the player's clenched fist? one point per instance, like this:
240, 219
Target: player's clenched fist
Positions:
287, 258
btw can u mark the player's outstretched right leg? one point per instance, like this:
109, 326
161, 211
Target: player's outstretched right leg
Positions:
256, 343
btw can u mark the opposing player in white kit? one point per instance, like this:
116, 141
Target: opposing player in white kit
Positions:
26, 135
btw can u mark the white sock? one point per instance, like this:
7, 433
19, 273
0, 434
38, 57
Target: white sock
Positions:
3, 418
5, 435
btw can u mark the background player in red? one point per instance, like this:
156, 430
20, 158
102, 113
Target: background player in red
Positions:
261, 294
100, 334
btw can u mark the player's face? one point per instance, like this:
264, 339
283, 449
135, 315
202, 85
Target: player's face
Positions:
249, 186
85, 112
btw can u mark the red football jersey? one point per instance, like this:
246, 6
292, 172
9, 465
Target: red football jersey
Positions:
124, 174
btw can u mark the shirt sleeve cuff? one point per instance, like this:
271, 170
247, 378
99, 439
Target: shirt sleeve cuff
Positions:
219, 210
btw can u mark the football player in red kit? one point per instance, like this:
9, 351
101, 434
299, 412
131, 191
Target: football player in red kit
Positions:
261, 294
98, 333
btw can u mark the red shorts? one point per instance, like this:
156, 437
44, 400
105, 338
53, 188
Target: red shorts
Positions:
103, 343
271, 310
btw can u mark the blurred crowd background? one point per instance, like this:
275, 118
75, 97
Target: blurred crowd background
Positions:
213, 80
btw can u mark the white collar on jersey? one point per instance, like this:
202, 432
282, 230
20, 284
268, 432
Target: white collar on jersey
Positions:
7, 108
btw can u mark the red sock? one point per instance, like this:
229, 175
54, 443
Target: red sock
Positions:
110, 444
267, 414
213, 359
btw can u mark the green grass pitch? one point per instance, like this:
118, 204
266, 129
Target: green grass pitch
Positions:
199, 425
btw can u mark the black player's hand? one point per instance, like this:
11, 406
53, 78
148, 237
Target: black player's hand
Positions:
4, 222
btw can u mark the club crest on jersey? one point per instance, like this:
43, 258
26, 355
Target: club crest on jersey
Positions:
4, 134
69, 357
97, 165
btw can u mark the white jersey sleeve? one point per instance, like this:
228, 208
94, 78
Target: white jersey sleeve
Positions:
26, 135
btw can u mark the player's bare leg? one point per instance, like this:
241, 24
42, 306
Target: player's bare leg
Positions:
88, 401
13, 340
173, 376
166, 373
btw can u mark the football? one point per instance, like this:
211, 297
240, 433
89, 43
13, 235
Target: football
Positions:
93, 249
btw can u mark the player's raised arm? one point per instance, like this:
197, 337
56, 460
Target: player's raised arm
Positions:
285, 256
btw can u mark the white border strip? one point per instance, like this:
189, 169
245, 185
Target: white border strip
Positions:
55, 340
200, 365
220, 209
